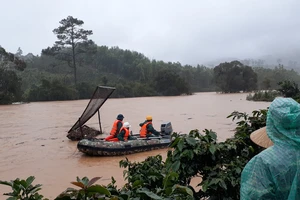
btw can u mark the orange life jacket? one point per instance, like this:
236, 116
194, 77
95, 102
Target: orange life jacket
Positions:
143, 131
126, 133
113, 131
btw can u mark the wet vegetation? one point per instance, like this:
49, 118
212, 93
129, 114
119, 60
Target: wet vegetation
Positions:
287, 89
234, 77
196, 154
267, 95
75, 65
71, 70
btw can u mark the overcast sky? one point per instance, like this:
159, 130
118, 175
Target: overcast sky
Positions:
190, 31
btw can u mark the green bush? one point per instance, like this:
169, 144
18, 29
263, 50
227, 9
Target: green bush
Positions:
85, 90
10, 86
23, 189
263, 95
50, 91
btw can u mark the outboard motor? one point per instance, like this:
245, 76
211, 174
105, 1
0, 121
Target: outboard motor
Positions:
166, 128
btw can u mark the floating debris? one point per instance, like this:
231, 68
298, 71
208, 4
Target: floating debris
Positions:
85, 132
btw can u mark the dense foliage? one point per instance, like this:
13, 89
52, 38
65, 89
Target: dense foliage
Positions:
219, 164
235, 77
76, 59
23, 189
268, 78
267, 95
10, 83
51, 91
134, 75
130, 72
10, 86
287, 89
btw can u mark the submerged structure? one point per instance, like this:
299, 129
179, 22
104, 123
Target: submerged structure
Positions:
81, 131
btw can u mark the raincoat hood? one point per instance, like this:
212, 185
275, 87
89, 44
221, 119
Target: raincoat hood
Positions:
283, 122
274, 173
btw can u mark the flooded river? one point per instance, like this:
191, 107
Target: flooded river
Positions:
33, 136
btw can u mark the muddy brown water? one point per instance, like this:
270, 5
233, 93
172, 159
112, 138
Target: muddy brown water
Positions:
33, 136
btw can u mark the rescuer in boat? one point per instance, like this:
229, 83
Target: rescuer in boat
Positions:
147, 129
124, 134
117, 125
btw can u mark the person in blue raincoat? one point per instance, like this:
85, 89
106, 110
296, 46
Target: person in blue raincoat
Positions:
275, 172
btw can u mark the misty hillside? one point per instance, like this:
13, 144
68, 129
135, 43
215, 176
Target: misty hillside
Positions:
290, 60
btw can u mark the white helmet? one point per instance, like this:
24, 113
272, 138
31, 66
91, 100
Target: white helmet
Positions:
126, 125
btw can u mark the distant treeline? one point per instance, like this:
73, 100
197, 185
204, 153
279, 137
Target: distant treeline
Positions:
74, 66
134, 75
130, 72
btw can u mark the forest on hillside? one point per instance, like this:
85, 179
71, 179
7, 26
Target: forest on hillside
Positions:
75, 65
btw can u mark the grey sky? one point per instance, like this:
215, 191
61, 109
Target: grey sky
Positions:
190, 31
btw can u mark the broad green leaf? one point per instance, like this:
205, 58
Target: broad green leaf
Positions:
137, 183
183, 190
188, 153
175, 142
23, 184
212, 149
168, 191
206, 139
175, 166
64, 198
169, 179
150, 194
251, 149
6, 183
29, 180
35, 189
214, 181
222, 184
10, 194
85, 181
122, 196
191, 141
180, 145
204, 186
212, 134
12, 198
99, 189
92, 181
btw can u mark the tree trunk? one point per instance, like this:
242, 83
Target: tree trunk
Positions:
74, 63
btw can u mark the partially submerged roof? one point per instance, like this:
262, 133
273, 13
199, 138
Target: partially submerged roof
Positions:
99, 97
